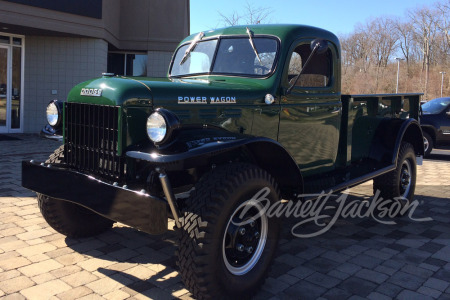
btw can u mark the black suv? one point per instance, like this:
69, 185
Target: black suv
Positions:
435, 123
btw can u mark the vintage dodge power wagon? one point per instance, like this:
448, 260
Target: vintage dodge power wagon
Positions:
245, 113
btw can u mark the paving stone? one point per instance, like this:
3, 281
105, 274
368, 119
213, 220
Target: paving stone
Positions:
274, 286
41, 267
116, 295
15, 284
323, 280
79, 278
406, 280
75, 293
442, 274
373, 276
301, 272
366, 261
336, 294
335, 256
443, 254
305, 290
427, 291
289, 279
39, 279
385, 270
14, 262
339, 275
418, 271
321, 264
349, 268
106, 285
437, 284
357, 286
410, 295
378, 296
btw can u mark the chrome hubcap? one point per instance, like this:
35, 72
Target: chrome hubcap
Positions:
244, 238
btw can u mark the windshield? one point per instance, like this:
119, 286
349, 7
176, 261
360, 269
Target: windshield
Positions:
435, 106
234, 56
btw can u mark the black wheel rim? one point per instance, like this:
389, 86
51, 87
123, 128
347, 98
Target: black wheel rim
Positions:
244, 238
405, 178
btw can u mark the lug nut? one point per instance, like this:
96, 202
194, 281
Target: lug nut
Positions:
240, 247
249, 249
242, 231
256, 235
252, 223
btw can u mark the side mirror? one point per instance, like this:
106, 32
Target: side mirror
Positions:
448, 114
320, 45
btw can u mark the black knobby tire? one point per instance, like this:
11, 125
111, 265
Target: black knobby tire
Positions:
428, 143
401, 182
68, 218
209, 266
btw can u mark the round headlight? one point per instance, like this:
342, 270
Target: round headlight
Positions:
53, 114
156, 127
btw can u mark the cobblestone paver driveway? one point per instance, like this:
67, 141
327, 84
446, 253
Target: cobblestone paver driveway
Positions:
355, 259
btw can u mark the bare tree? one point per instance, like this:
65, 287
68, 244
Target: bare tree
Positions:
249, 14
424, 21
405, 33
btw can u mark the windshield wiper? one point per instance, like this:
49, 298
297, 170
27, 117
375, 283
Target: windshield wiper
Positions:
250, 35
191, 47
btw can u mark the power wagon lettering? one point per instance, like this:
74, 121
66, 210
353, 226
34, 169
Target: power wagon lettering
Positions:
204, 100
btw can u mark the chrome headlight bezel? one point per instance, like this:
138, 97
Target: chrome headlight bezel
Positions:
54, 113
161, 125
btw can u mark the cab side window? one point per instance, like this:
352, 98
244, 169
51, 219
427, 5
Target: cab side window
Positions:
316, 74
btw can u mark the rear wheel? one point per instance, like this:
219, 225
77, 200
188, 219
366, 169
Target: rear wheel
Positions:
68, 218
227, 241
399, 185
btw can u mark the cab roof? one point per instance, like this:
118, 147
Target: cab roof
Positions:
284, 32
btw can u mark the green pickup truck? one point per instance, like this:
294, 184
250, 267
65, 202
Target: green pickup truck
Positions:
245, 112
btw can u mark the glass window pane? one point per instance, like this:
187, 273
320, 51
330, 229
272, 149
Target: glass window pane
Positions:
17, 41
16, 87
4, 39
198, 60
3, 84
136, 65
116, 63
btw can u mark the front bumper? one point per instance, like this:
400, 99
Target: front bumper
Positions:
138, 210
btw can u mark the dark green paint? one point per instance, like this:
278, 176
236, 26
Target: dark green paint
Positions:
320, 128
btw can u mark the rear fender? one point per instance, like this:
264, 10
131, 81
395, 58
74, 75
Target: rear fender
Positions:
389, 136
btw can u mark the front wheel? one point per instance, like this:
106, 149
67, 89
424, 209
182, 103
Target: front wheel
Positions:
399, 184
227, 241
66, 217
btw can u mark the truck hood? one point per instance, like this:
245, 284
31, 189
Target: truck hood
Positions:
168, 92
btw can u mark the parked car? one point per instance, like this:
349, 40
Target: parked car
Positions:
435, 123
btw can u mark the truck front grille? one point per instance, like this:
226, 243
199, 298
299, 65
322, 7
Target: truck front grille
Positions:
92, 140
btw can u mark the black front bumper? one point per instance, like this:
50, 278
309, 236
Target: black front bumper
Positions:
135, 209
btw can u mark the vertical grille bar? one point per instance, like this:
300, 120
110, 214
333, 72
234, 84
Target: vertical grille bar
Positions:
92, 139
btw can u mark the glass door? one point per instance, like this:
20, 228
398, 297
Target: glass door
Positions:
11, 83
4, 87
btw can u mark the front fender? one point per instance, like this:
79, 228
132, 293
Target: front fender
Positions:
264, 152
